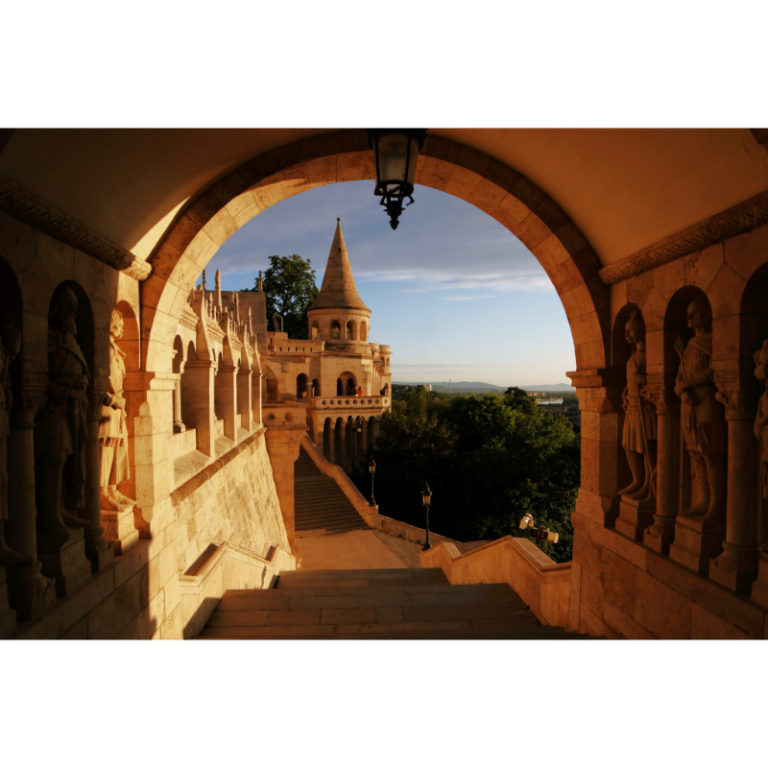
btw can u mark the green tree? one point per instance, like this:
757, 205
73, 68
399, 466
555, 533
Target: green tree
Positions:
488, 459
290, 286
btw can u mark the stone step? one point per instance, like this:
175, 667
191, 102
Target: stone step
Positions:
380, 577
320, 506
384, 603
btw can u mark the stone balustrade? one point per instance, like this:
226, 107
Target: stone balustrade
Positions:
349, 401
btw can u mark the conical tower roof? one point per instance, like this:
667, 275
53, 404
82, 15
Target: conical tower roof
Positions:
338, 290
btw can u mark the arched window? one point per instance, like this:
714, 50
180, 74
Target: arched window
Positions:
363, 331
301, 386
335, 329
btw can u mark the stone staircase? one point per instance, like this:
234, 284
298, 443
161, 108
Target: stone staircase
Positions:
383, 604
320, 506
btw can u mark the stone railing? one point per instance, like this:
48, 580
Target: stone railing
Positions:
222, 567
349, 401
545, 586
370, 514
281, 344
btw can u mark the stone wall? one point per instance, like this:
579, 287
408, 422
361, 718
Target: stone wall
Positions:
682, 552
233, 499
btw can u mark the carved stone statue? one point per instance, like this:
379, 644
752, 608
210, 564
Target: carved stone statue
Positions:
60, 428
704, 429
113, 431
10, 345
761, 433
639, 434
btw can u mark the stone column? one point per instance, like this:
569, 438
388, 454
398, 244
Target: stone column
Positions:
340, 440
283, 446
331, 456
256, 397
149, 405
245, 398
661, 533
29, 591
736, 567
599, 392
226, 381
199, 379
178, 424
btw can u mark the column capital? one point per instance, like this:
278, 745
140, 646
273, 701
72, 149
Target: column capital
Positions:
28, 402
663, 398
589, 378
739, 399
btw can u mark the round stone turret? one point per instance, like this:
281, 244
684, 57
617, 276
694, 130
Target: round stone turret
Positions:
338, 315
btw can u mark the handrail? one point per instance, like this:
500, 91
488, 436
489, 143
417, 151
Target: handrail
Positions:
370, 514
545, 586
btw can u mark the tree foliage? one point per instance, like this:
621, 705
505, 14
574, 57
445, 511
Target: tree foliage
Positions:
488, 459
290, 286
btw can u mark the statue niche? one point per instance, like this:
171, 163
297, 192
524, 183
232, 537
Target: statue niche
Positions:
113, 430
60, 428
703, 422
639, 433
10, 345
761, 433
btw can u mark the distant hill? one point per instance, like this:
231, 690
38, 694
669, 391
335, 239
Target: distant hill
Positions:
458, 387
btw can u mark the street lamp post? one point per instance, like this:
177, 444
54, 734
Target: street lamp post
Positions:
372, 471
426, 500
543, 535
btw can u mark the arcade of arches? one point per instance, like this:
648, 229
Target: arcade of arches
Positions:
149, 426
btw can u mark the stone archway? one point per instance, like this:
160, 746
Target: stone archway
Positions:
209, 218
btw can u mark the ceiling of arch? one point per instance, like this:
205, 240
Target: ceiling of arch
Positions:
624, 188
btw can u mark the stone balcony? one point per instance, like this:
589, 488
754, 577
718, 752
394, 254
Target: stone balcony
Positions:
347, 402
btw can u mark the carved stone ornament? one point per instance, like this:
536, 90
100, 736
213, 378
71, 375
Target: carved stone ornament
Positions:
113, 429
28, 207
639, 430
703, 425
10, 345
740, 218
61, 429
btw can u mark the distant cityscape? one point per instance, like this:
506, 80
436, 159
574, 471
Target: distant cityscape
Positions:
480, 387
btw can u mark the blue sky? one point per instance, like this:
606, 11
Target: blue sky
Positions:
453, 292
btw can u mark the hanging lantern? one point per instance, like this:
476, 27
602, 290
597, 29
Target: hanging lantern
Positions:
395, 152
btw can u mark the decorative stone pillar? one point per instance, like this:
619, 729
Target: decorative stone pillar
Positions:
29, 591
340, 442
283, 446
660, 534
599, 393
245, 398
149, 406
226, 381
256, 398
178, 424
736, 567
199, 378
